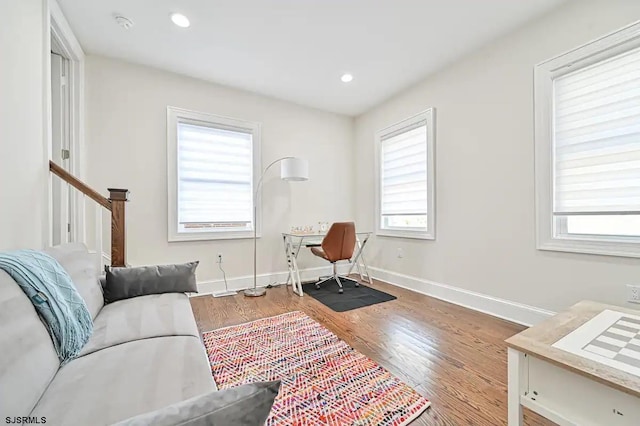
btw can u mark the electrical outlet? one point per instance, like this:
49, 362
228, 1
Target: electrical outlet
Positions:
633, 293
400, 253
219, 257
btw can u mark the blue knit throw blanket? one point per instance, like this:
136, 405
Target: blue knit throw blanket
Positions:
54, 296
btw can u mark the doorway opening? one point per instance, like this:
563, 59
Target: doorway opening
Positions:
66, 97
61, 200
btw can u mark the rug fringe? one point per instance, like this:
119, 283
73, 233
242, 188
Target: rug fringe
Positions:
251, 322
416, 414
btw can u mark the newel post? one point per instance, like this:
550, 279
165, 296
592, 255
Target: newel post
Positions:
118, 198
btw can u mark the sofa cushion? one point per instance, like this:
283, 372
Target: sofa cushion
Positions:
28, 360
82, 267
123, 283
141, 318
246, 405
123, 381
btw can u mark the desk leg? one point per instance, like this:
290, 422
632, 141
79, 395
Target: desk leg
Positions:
292, 264
515, 368
285, 241
354, 261
297, 282
367, 275
358, 259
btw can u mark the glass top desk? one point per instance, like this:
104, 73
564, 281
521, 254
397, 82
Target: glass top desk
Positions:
293, 242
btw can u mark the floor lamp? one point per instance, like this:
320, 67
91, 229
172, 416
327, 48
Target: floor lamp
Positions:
292, 169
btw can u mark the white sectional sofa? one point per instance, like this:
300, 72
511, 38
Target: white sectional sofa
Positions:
145, 353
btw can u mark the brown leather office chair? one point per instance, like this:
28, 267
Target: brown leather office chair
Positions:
338, 244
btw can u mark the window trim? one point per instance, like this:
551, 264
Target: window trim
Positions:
427, 115
174, 115
547, 236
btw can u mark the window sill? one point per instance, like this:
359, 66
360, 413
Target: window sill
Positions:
405, 234
210, 236
581, 246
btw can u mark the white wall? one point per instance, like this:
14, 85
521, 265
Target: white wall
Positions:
23, 151
126, 147
484, 171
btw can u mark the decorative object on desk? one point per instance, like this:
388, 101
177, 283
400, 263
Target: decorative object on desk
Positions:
291, 169
324, 380
302, 230
354, 297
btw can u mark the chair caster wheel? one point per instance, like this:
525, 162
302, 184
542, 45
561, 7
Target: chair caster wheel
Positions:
340, 291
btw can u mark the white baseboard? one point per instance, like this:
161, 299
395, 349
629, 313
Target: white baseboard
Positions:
501, 308
244, 282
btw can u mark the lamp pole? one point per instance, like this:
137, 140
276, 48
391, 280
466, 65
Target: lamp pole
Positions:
255, 291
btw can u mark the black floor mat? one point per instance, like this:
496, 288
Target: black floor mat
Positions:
352, 298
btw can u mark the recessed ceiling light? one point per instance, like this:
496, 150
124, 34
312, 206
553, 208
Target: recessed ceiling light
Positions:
180, 20
346, 78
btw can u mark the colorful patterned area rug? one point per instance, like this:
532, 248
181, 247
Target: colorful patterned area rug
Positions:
324, 380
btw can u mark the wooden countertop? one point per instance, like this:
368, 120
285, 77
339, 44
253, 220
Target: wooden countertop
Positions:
537, 340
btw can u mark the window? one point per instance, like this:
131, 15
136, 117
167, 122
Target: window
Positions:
588, 147
405, 202
212, 165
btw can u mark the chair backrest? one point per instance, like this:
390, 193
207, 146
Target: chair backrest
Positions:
340, 241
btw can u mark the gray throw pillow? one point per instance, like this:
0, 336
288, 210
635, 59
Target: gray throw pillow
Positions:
247, 405
124, 283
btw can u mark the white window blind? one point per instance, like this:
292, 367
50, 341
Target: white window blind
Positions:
404, 172
596, 131
215, 175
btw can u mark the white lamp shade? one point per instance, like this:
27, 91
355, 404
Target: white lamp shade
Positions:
294, 169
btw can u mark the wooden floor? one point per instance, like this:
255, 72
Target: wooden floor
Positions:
454, 356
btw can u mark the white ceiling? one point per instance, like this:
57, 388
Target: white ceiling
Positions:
297, 50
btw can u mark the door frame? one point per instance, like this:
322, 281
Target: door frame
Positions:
66, 41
